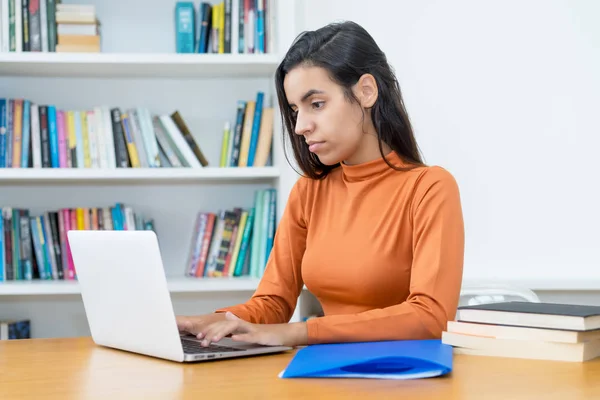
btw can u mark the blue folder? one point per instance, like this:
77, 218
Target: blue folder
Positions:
403, 359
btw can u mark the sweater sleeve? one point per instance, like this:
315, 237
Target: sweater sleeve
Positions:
275, 299
436, 274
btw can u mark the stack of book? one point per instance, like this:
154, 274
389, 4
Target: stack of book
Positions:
77, 29
544, 331
236, 242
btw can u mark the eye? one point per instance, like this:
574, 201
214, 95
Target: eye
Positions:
293, 112
318, 104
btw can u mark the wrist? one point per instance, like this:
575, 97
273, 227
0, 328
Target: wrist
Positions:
298, 334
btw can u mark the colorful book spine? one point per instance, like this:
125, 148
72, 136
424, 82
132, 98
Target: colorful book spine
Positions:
255, 127
26, 135
53, 137
184, 27
3, 131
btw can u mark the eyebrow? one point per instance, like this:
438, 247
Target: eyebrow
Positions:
308, 94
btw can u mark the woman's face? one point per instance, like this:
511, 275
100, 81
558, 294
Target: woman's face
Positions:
330, 123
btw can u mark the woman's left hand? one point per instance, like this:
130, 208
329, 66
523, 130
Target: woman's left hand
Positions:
292, 334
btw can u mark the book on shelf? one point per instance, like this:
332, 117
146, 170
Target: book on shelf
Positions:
247, 142
36, 135
44, 136
36, 247
545, 331
48, 26
234, 242
225, 27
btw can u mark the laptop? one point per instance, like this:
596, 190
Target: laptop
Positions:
127, 300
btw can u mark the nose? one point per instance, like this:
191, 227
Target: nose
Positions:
303, 124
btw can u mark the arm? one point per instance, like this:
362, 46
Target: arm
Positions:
275, 298
436, 275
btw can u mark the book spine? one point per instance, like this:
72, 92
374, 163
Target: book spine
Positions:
25, 245
10, 121
246, 239
53, 137
185, 26
35, 28
4, 26
26, 134
62, 139
196, 247
255, 128
3, 129
183, 128
44, 135
131, 147
44, 24
17, 133
51, 21
72, 140
56, 240
201, 269
237, 136
85, 136
227, 27
17, 14
121, 156
36, 146
25, 25
8, 253
37, 247
16, 244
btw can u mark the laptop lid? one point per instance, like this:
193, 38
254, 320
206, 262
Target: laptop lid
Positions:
125, 293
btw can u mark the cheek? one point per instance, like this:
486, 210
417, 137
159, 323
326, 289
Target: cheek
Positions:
344, 138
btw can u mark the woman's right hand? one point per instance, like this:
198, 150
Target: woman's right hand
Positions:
197, 323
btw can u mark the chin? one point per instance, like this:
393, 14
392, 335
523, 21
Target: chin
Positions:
329, 159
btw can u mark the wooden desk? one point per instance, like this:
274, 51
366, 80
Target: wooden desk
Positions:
78, 369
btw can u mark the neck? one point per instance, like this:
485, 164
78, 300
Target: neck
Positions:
368, 150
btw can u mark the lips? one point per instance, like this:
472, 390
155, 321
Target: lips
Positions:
314, 147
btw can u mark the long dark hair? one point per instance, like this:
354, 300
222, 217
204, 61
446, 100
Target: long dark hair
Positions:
347, 51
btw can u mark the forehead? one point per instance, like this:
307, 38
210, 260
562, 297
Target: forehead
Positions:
300, 80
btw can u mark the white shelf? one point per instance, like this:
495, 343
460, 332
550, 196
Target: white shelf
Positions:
78, 175
133, 65
541, 284
176, 285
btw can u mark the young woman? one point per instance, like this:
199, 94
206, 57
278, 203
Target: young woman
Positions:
373, 233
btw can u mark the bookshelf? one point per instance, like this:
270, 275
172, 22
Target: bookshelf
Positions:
176, 285
124, 65
138, 66
140, 175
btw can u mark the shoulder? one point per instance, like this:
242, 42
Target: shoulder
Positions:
436, 183
434, 175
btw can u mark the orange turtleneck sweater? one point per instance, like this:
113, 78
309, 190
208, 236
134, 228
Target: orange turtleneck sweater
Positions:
382, 251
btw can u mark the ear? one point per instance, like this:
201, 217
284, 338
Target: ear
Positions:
366, 90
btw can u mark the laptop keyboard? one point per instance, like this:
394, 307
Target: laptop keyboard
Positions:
194, 347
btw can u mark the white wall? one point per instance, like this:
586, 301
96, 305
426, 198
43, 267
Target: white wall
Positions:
504, 95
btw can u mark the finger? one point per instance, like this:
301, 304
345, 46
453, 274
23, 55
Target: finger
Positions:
233, 327
217, 330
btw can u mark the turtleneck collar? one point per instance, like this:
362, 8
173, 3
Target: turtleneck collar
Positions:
370, 169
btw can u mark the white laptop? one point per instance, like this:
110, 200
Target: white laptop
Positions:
127, 301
